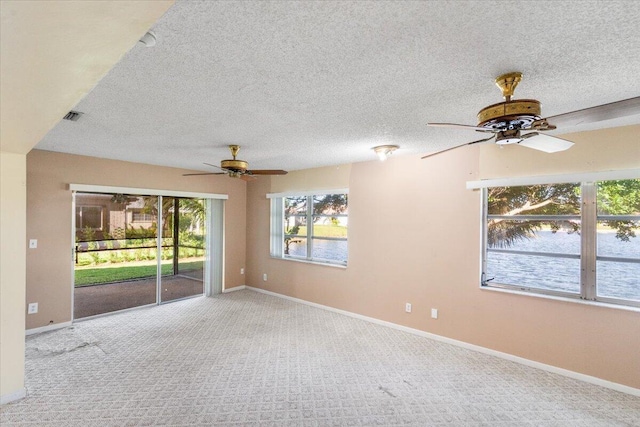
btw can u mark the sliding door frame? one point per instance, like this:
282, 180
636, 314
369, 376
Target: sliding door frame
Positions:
214, 240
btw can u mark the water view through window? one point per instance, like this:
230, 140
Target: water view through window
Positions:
315, 228
576, 239
615, 279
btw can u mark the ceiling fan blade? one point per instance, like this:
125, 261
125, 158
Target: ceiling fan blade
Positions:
217, 167
454, 125
546, 143
204, 173
458, 146
613, 110
247, 178
267, 172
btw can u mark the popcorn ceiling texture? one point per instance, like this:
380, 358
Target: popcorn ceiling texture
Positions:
305, 84
248, 359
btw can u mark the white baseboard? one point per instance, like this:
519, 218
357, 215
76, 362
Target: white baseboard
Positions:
521, 360
12, 397
47, 328
235, 288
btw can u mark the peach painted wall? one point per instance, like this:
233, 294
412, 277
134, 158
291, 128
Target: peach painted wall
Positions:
414, 236
49, 267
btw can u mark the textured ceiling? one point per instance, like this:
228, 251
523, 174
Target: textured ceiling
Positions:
308, 84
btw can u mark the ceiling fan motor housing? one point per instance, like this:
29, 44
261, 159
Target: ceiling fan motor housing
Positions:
518, 114
235, 165
509, 115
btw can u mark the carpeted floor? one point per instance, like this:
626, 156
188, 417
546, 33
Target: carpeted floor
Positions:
245, 358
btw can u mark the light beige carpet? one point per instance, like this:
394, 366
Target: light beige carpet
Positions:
246, 358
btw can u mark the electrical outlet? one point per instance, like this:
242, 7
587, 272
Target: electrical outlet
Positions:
264, 277
407, 307
33, 243
242, 271
434, 313
33, 308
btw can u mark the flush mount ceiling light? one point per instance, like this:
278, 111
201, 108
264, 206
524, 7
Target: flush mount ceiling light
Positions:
384, 151
149, 39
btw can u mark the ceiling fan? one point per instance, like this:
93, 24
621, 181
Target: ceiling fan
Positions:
238, 168
507, 120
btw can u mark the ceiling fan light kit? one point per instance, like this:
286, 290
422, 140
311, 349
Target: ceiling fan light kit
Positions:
508, 137
508, 119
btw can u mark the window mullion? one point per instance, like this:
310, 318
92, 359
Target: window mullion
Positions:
277, 227
483, 249
588, 241
309, 227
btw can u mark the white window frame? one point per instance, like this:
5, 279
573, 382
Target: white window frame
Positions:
589, 219
277, 226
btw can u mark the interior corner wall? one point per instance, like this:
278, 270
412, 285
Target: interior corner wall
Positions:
13, 204
414, 236
49, 215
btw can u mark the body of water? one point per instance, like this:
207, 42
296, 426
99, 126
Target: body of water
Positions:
331, 250
614, 279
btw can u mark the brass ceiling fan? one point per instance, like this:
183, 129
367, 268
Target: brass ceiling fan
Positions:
238, 168
507, 120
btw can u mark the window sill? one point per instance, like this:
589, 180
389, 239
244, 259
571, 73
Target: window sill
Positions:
563, 299
304, 261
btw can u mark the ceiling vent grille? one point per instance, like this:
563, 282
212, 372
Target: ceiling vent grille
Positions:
74, 116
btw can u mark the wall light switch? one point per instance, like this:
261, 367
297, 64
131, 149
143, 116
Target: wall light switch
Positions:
434, 313
264, 277
33, 243
33, 308
242, 271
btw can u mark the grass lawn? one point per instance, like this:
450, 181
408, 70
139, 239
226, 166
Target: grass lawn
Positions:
93, 276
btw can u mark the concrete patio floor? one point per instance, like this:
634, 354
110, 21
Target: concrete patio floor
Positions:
106, 298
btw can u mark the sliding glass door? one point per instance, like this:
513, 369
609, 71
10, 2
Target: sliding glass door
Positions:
115, 252
135, 250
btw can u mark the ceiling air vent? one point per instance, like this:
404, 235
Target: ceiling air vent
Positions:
74, 116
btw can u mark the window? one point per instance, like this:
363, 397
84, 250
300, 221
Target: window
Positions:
89, 217
617, 241
310, 227
138, 215
571, 239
